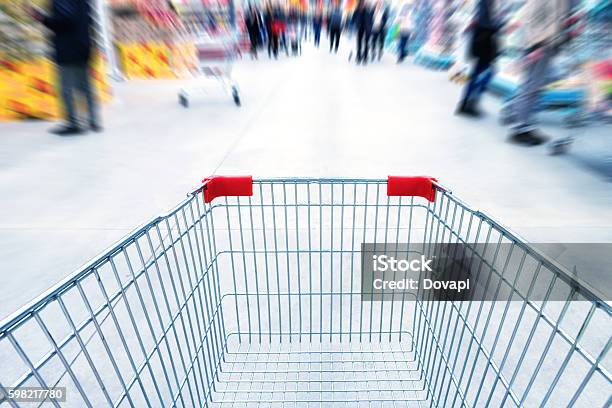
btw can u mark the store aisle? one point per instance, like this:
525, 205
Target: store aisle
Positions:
398, 119
65, 199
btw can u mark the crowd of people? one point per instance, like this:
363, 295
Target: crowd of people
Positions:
549, 25
368, 24
281, 28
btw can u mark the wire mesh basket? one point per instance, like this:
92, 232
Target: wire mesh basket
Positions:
249, 293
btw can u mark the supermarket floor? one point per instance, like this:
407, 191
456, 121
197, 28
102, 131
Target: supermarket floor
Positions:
66, 199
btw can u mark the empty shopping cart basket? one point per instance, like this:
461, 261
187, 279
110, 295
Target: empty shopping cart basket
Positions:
250, 293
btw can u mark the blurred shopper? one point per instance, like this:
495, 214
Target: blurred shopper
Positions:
406, 26
362, 18
294, 31
268, 17
483, 50
282, 18
379, 29
278, 27
317, 25
252, 22
334, 24
546, 30
70, 23
303, 24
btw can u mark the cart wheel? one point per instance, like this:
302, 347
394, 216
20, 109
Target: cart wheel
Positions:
236, 96
560, 146
183, 101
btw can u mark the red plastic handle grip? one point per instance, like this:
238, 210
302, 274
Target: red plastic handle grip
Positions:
226, 186
419, 186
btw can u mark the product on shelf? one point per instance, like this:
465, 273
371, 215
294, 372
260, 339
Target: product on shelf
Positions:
152, 39
27, 76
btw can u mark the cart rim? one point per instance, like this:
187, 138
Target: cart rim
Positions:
15, 319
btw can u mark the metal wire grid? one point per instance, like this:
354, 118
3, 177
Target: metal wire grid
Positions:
318, 374
258, 300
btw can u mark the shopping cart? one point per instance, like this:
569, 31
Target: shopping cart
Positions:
249, 293
216, 55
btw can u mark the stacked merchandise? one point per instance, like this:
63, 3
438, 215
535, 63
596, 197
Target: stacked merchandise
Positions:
199, 17
438, 52
205, 18
599, 90
19, 37
27, 76
596, 41
151, 40
464, 15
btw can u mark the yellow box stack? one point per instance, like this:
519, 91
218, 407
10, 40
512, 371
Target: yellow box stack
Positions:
150, 60
28, 89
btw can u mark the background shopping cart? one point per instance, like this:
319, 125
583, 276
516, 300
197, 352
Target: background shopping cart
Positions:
249, 293
217, 40
216, 56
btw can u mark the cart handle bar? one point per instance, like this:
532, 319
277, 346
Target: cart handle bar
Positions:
228, 186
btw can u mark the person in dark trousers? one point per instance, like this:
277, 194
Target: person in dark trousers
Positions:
294, 30
484, 50
363, 23
268, 18
379, 29
70, 23
251, 21
406, 27
281, 18
317, 25
548, 26
303, 25
334, 24
278, 28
